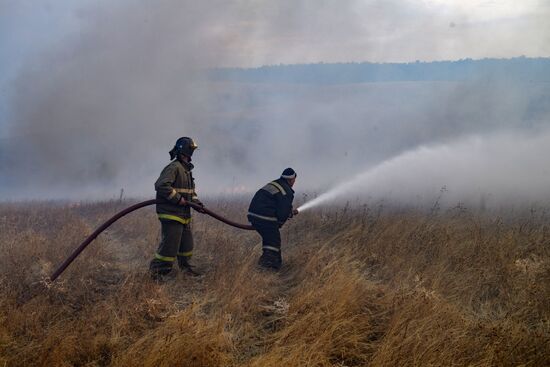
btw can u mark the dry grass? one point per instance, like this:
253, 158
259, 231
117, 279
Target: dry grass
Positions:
360, 287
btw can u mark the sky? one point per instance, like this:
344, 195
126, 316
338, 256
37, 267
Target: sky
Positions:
87, 86
259, 33
266, 32
256, 33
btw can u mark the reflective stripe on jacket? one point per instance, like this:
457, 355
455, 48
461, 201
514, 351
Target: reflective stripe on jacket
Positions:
272, 203
175, 181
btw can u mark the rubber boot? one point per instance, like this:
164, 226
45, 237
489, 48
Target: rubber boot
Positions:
183, 263
161, 270
270, 260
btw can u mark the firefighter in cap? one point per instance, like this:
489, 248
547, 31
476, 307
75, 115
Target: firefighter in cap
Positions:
175, 187
270, 208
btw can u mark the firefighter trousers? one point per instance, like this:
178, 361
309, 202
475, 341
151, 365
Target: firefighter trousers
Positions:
176, 244
271, 244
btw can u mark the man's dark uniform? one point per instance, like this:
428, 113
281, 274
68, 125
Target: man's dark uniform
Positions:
270, 208
175, 181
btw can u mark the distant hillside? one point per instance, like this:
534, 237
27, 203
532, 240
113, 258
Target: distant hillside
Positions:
517, 69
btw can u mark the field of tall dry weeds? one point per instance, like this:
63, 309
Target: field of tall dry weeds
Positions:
365, 286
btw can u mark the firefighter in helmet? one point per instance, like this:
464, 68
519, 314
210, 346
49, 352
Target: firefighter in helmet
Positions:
270, 208
175, 187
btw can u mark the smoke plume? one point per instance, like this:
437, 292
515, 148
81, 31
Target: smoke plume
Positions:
100, 111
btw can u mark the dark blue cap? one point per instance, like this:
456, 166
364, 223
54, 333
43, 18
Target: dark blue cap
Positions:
288, 173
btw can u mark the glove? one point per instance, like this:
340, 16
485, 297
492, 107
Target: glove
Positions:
200, 204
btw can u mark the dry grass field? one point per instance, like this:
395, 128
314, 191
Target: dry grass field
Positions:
369, 286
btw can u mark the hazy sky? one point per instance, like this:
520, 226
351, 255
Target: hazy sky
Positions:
297, 31
259, 32
87, 87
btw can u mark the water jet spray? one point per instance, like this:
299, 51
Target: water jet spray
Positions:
334, 192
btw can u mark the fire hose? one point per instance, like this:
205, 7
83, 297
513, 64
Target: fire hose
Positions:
128, 210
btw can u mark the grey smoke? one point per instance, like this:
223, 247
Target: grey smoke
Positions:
100, 111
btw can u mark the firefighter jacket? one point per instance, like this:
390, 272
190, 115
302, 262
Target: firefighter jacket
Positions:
175, 182
272, 203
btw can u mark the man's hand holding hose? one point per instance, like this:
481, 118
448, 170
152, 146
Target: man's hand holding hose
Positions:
199, 206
